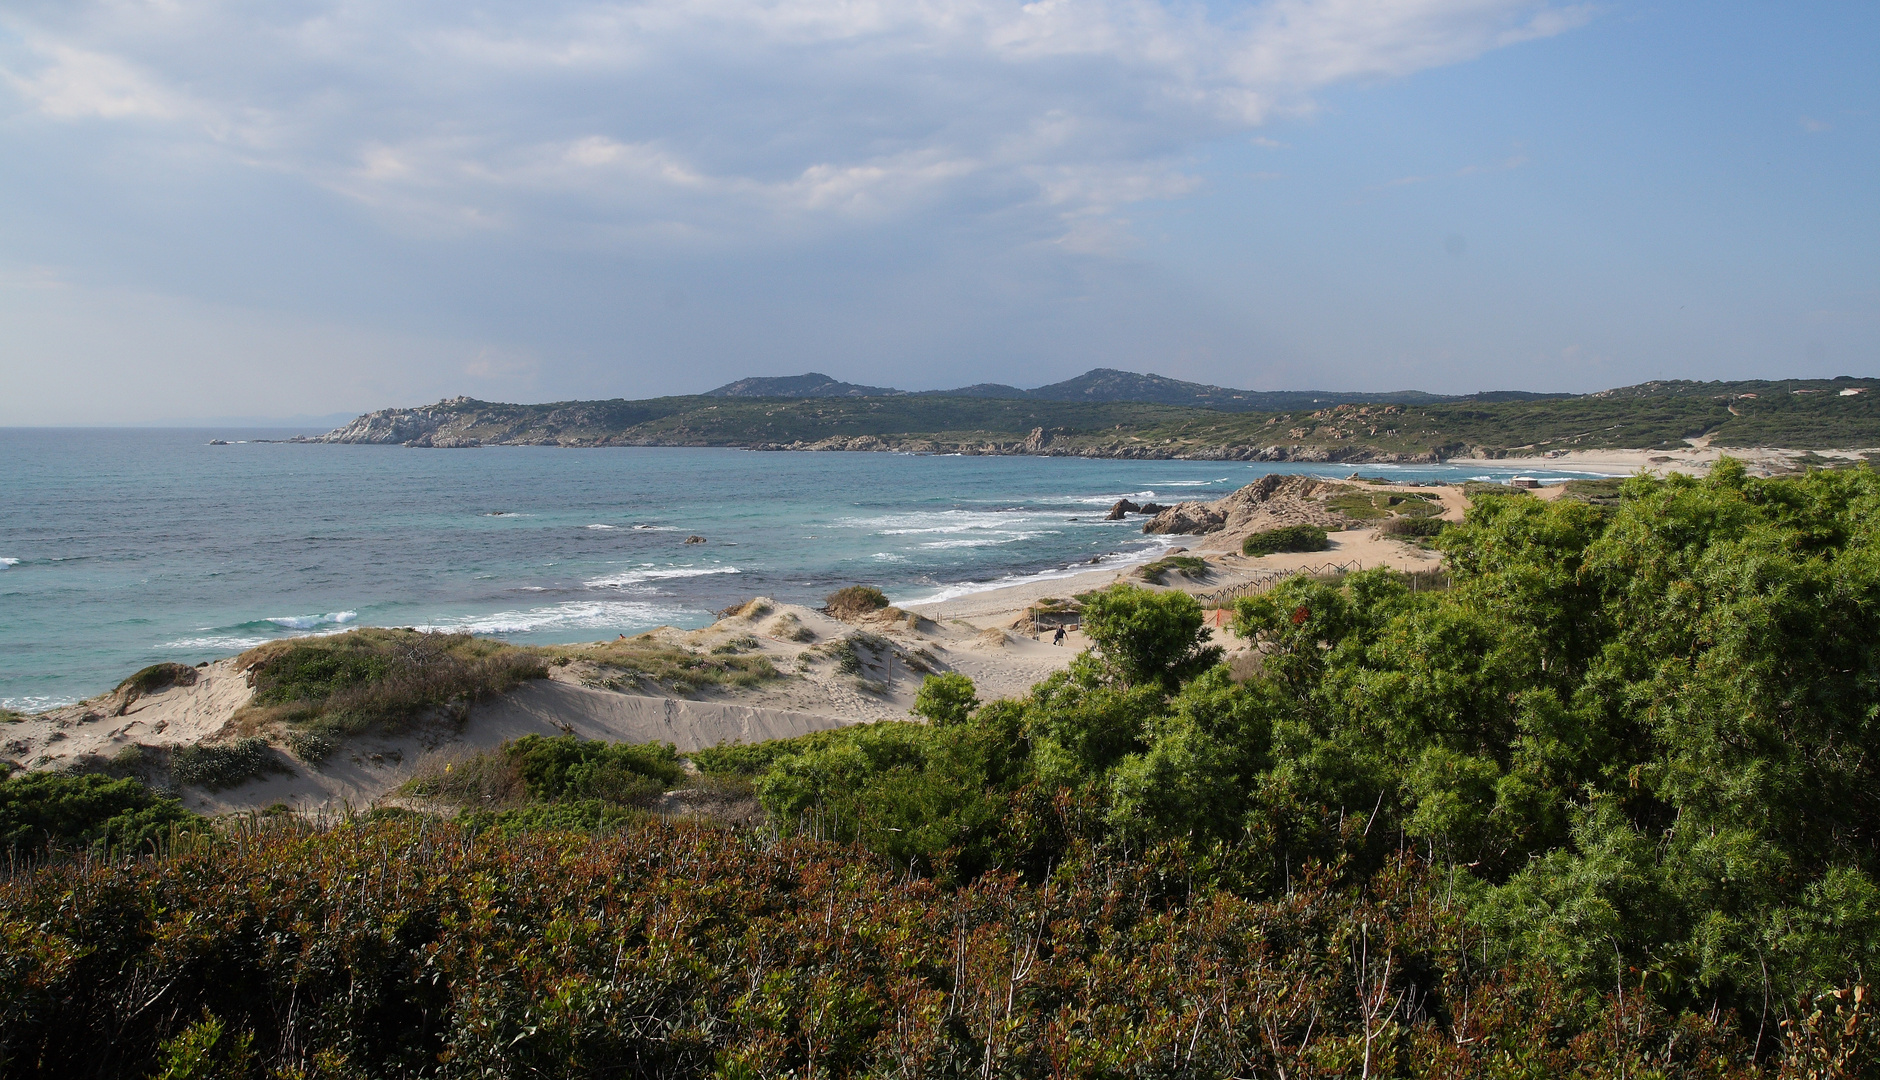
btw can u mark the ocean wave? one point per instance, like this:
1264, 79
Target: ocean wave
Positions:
1191, 483
937, 521
614, 615
889, 556
35, 703
215, 643
1109, 561
988, 541
1111, 500
601, 526
5, 562
638, 577
309, 622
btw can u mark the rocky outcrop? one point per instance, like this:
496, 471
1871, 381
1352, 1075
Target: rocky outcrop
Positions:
1267, 503
1124, 506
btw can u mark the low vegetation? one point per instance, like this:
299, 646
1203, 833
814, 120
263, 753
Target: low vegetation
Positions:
320, 690
214, 766
1286, 538
854, 601
1377, 505
538, 769
1411, 526
1188, 566
673, 667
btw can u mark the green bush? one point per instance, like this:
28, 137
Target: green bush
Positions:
1412, 526
567, 767
1286, 538
43, 809
945, 699
215, 766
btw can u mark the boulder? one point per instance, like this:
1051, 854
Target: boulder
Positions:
1268, 502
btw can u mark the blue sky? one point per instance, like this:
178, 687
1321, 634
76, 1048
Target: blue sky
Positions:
213, 208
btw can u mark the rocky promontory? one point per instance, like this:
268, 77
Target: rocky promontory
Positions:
1267, 503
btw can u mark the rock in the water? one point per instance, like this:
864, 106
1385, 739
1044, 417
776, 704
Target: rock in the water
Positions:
695, 539
1123, 506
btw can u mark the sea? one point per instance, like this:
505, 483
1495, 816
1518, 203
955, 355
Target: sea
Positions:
121, 548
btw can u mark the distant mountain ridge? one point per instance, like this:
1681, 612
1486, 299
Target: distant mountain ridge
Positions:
1112, 385
1081, 418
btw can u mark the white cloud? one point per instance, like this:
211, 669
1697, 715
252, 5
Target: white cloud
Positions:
713, 122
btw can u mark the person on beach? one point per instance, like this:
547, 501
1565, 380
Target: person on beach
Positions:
1058, 638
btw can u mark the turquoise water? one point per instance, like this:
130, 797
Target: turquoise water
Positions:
121, 548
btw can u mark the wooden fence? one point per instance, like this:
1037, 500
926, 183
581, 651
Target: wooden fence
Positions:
1266, 579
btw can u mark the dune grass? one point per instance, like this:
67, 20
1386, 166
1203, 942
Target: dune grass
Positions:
1188, 566
674, 667
854, 600
318, 691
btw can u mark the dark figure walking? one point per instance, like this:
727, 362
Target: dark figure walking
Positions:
1058, 638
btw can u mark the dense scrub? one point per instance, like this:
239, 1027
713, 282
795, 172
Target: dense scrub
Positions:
325, 688
1642, 738
409, 948
536, 768
41, 810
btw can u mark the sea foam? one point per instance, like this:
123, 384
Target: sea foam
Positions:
5, 562
618, 615
309, 622
640, 577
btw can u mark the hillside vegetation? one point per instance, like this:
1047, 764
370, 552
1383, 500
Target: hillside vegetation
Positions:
1608, 805
1799, 414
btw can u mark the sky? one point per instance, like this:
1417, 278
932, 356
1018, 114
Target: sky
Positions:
220, 209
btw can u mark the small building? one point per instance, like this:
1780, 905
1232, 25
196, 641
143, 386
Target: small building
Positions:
1524, 482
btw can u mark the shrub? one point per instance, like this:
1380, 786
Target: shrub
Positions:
216, 766
1412, 526
1286, 538
43, 809
855, 600
312, 744
946, 699
567, 767
488, 779
1147, 637
750, 759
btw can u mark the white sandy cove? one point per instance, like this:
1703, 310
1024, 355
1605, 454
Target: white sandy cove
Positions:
971, 634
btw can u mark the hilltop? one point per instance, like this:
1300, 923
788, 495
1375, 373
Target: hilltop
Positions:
1104, 414
1110, 385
